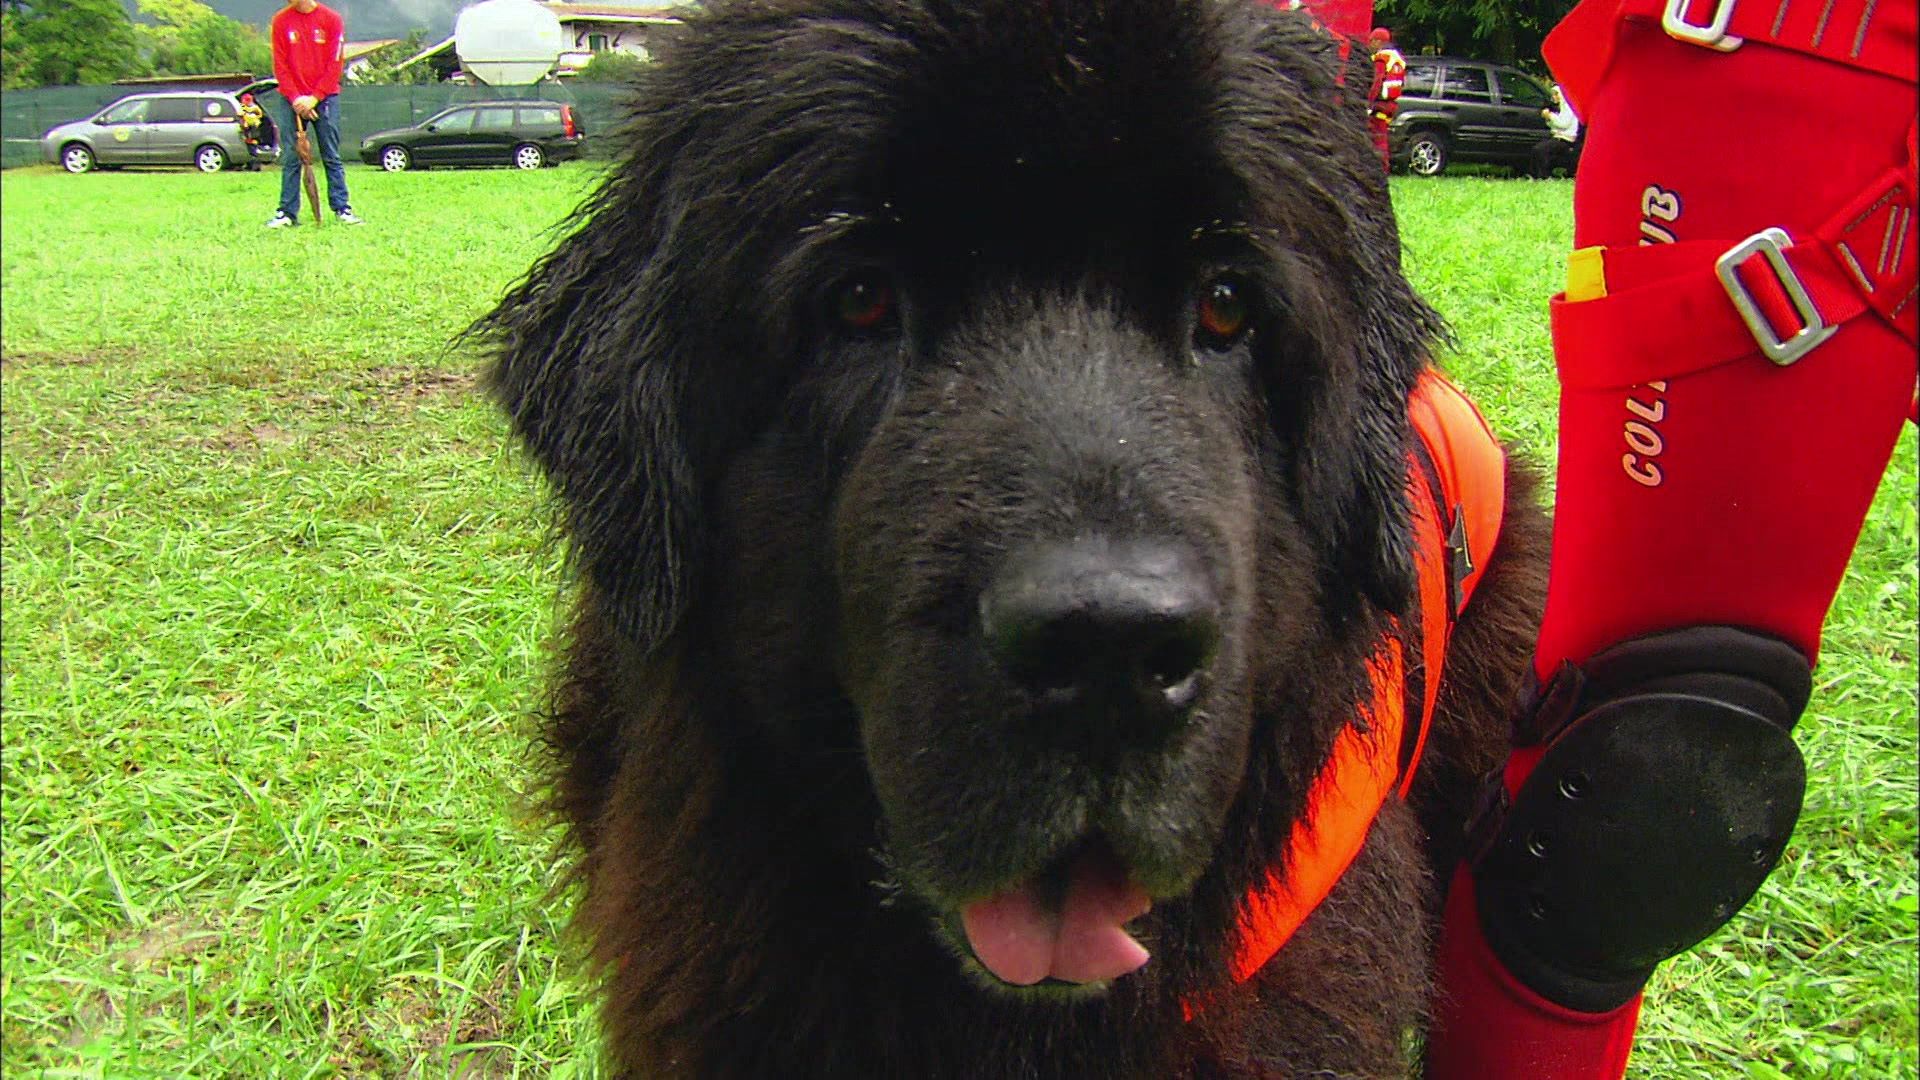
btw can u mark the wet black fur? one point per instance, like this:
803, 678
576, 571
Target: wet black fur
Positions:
779, 748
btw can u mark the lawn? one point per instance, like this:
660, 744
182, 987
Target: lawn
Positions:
276, 606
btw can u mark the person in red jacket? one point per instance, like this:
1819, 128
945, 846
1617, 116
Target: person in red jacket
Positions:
1383, 97
307, 39
1736, 351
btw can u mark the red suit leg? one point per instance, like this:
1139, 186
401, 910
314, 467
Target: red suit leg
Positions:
1491, 1026
1698, 482
1765, 472
1378, 127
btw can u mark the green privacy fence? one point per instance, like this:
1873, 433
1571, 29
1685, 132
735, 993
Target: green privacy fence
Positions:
25, 115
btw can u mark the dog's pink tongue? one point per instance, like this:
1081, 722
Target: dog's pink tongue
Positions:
1022, 943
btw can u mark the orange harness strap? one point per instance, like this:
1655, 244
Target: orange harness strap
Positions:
1457, 504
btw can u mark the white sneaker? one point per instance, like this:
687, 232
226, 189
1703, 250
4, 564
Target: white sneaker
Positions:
347, 217
281, 221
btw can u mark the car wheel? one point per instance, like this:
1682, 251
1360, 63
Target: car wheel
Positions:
209, 158
1427, 154
76, 159
396, 159
528, 156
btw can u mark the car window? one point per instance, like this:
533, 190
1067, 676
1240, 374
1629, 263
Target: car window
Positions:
540, 117
1420, 80
497, 118
1468, 84
457, 120
215, 108
127, 112
174, 110
1517, 89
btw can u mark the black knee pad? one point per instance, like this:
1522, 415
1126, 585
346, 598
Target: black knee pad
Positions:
1668, 789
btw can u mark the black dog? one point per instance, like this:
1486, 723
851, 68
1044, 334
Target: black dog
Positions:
982, 432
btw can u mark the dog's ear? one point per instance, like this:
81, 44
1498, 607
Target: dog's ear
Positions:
1392, 335
1350, 306
1351, 471
1397, 336
1337, 398
594, 368
1357, 437
642, 352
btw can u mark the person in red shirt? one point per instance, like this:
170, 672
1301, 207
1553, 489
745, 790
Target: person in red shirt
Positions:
307, 39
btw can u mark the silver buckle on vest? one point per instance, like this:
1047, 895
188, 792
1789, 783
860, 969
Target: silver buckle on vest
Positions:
1782, 351
1713, 35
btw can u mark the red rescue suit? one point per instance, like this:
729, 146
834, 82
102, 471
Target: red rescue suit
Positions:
1736, 349
1389, 78
1383, 97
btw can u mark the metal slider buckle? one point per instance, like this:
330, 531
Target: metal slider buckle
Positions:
1771, 243
1713, 35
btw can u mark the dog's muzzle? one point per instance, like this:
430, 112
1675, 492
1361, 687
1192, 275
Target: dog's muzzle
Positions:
1112, 635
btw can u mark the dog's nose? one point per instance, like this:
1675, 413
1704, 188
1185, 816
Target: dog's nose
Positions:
1124, 628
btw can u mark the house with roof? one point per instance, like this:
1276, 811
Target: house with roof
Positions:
357, 57
588, 29
598, 28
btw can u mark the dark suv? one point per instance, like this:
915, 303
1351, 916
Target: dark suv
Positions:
1467, 111
523, 134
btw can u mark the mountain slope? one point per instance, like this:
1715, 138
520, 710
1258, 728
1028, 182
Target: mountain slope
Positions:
365, 18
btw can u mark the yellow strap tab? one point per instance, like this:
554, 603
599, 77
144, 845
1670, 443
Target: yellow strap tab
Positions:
1586, 274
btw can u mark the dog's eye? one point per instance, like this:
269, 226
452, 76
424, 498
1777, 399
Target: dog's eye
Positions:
1223, 312
862, 303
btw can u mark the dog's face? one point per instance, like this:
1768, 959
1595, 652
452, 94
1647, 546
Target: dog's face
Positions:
1029, 380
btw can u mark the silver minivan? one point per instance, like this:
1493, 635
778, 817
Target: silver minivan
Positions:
200, 128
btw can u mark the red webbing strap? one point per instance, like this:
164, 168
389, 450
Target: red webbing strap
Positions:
1364, 765
1876, 238
1345, 798
1686, 323
1668, 313
1472, 470
1873, 35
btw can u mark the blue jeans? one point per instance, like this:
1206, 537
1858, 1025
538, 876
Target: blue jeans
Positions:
324, 131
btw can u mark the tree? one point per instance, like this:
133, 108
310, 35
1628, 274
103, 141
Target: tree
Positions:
14, 58
381, 70
612, 66
1509, 31
187, 37
220, 44
67, 43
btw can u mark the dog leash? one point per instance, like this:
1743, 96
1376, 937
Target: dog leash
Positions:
304, 147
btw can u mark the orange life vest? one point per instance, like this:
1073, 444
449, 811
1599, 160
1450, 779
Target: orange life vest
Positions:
1457, 479
1389, 74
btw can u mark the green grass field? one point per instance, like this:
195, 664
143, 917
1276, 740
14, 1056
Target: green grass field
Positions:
276, 600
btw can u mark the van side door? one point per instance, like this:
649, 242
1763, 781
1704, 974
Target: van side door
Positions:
494, 136
1521, 100
1420, 104
447, 138
1469, 88
176, 129
124, 133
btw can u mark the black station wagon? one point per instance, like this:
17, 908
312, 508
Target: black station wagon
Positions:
523, 134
